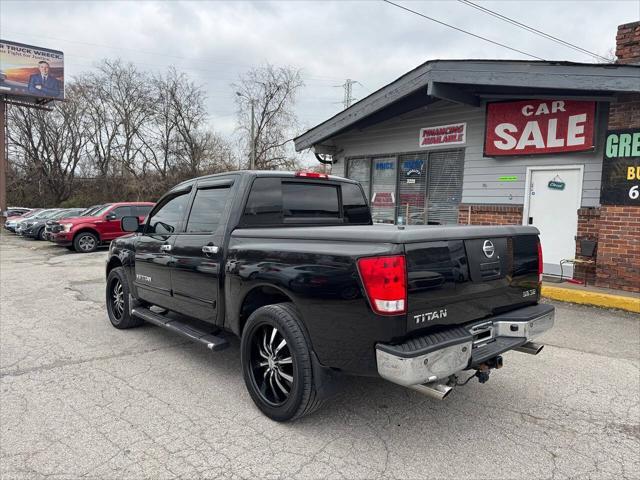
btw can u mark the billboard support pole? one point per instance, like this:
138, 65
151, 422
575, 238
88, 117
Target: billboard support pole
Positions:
3, 157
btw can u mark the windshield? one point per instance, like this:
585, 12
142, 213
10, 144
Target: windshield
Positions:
101, 210
91, 210
66, 213
47, 214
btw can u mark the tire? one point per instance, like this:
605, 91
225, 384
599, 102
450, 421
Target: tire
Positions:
117, 297
85, 242
71, 248
40, 235
279, 377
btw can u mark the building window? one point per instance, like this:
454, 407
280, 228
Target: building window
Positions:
428, 186
383, 190
412, 188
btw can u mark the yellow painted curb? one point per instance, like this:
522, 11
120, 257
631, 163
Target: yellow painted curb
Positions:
598, 299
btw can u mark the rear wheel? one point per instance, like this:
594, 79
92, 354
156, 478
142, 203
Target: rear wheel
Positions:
118, 300
85, 242
276, 363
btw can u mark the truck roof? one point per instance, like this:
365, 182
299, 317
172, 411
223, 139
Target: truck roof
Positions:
259, 173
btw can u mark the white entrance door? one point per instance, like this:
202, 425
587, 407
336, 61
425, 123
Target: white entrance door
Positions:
552, 201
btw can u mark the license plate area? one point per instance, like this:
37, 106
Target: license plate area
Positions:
483, 333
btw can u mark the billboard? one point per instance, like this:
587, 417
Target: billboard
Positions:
535, 127
29, 71
621, 168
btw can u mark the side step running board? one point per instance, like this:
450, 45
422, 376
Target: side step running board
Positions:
213, 342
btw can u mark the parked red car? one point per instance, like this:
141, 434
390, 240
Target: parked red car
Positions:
85, 234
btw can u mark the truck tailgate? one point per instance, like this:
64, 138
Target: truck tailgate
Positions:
456, 281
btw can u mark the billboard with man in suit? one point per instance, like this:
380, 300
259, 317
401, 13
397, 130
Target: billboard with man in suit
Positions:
31, 71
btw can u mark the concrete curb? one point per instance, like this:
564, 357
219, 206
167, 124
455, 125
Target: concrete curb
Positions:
597, 299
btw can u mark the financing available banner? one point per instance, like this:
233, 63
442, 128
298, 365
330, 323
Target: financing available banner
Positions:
443, 135
29, 71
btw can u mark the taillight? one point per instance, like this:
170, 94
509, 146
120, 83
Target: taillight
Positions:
312, 175
384, 280
540, 263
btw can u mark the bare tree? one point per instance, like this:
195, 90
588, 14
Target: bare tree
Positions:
121, 101
272, 90
123, 130
51, 145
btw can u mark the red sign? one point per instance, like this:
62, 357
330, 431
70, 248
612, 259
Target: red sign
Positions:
443, 135
533, 127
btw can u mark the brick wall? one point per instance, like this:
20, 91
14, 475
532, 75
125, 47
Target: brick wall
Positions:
618, 261
628, 43
490, 214
625, 113
588, 229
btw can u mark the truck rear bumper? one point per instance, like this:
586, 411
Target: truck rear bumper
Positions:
437, 356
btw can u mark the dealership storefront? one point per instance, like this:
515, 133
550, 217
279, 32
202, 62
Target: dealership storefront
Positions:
499, 142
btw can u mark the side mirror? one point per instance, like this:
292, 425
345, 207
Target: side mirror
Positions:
111, 216
129, 224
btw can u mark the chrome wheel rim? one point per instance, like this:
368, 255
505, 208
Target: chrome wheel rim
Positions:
272, 365
117, 299
87, 243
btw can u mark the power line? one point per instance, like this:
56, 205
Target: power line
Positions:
531, 29
463, 31
164, 55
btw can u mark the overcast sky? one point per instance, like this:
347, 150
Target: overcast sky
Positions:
369, 41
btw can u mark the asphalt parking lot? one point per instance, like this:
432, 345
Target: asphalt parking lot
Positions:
79, 398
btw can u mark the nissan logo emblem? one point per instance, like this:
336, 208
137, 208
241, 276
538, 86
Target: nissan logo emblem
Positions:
488, 248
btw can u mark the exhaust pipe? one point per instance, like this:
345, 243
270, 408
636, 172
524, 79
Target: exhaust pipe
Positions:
433, 390
531, 348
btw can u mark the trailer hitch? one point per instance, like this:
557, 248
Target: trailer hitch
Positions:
483, 371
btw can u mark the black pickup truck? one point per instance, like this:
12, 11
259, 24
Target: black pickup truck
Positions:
292, 264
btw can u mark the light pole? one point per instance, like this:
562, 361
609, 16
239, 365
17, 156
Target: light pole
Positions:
252, 143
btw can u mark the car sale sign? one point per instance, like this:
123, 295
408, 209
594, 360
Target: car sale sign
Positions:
534, 127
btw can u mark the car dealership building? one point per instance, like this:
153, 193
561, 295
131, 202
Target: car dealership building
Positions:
550, 144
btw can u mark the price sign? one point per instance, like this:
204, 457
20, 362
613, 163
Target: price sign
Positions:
621, 168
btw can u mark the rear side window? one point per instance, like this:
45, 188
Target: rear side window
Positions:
310, 200
207, 210
264, 206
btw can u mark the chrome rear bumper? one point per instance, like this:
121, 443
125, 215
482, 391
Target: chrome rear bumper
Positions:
437, 356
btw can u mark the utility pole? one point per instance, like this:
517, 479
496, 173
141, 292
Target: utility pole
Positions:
253, 135
252, 140
3, 157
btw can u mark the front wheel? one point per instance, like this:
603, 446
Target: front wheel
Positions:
85, 242
276, 363
41, 235
118, 300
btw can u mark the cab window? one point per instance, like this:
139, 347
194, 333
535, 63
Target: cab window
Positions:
167, 218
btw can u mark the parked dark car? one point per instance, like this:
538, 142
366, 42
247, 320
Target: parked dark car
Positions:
37, 227
86, 234
292, 264
44, 214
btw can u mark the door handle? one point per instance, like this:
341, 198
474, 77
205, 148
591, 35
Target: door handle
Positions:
530, 220
208, 249
165, 248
